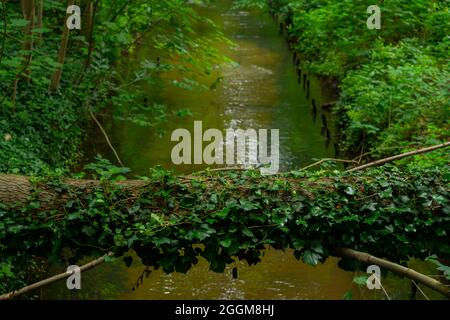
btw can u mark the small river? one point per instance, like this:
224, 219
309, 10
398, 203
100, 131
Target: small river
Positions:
261, 92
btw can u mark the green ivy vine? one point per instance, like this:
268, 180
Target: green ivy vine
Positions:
171, 221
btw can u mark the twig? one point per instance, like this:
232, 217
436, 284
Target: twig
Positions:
399, 156
304, 168
53, 279
106, 136
88, 106
382, 287
377, 150
120, 11
423, 293
327, 159
220, 169
371, 164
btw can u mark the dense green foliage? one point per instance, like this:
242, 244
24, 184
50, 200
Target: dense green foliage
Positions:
384, 211
41, 129
400, 97
394, 95
394, 89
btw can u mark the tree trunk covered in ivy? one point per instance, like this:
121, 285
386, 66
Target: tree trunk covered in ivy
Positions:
389, 213
16, 190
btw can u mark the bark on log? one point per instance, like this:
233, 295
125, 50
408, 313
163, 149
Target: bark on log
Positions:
400, 156
16, 190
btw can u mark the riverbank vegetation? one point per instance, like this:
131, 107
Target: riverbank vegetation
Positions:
43, 120
393, 82
54, 81
393, 97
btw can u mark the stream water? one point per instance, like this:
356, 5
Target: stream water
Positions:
261, 91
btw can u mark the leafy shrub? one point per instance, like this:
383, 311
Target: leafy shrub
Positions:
400, 97
394, 90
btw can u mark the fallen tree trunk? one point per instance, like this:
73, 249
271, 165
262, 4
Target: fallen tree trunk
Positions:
399, 156
339, 252
17, 190
90, 265
396, 268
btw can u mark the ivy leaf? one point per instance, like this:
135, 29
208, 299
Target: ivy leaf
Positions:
5, 270
441, 267
247, 205
226, 243
88, 230
160, 241
361, 280
109, 258
222, 213
156, 218
371, 207
348, 295
350, 191
248, 232
317, 247
310, 257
